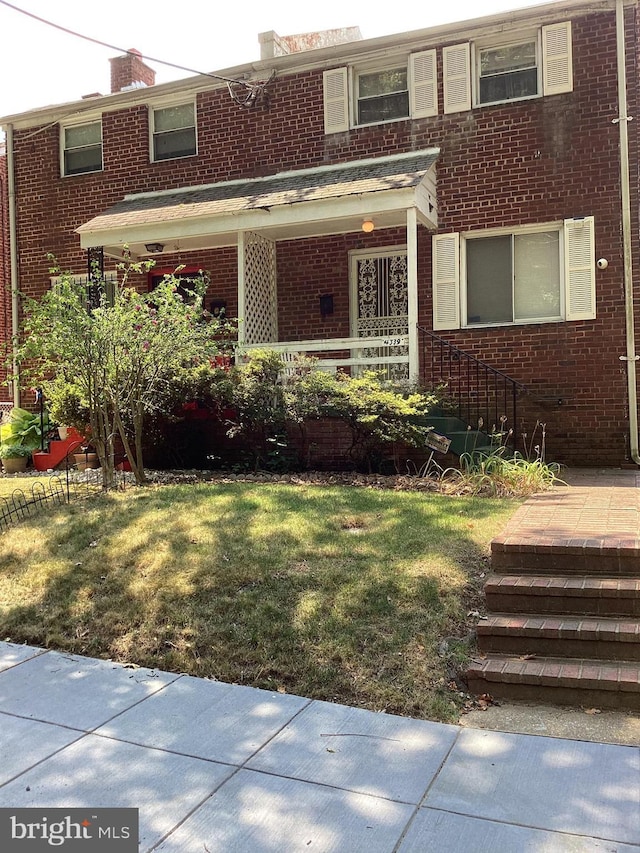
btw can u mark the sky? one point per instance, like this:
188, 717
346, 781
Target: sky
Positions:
40, 65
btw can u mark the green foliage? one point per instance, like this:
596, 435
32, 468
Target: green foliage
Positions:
500, 472
379, 414
14, 451
115, 361
256, 395
66, 404
267, 401
24, 428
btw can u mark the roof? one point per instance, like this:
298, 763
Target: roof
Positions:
378, 47
355, 178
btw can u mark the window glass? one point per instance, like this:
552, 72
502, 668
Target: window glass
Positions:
537, 276
174, 132
83, 134
513, 278
82, 148
489, 280
174, 118
508, 73
382, 96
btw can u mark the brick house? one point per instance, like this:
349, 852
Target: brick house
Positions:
5, 287
445, 194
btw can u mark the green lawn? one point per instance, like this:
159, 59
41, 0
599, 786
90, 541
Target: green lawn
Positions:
336, 593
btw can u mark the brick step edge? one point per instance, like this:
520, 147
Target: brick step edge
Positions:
561, 627
563, 681
574, 557
553, 594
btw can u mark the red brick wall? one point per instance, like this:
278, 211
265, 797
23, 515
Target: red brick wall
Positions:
535, 161
5, 276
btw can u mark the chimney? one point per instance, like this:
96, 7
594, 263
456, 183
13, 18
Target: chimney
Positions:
130, 72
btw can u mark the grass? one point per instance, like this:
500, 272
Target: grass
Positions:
337, 593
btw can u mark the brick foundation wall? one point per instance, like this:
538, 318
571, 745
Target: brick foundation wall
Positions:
534, 161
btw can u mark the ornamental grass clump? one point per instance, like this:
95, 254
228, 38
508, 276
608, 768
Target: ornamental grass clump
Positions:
500, 472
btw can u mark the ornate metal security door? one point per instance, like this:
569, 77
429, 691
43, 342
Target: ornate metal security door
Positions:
379, 308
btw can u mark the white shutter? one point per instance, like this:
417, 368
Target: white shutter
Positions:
557, 64
456, 62
336, 100
423, 85
580, 269
446, 281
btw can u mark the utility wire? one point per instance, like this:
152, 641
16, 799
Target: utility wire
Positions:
228, 80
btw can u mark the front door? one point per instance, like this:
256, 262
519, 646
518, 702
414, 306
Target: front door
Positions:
379, 308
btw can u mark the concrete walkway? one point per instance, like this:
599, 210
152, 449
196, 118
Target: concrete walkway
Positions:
223, 768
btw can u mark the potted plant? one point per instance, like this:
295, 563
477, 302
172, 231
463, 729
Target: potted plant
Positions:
14, 457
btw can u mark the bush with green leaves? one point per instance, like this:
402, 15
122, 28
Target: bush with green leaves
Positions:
114, 359
379, 415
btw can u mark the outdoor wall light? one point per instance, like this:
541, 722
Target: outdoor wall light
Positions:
368, 226
153, 248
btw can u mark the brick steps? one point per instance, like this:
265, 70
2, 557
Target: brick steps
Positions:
562, 635
582, 557
563, 623
589, 683
594, 596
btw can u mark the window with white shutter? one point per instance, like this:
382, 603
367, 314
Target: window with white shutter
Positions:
557, 65
532, 274
446, 281
456, 63
423, 84
336, 100
580, 275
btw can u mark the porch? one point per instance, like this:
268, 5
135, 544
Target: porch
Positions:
380, 203
365, 224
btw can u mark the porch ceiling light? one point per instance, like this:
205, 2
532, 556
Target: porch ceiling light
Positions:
368, 226
153, 248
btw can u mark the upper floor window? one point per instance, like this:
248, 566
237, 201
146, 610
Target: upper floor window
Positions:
173, 131
363, 96
537, 63
382, 95
82, 148
508, 72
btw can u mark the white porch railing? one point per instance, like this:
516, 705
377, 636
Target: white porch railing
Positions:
360, 349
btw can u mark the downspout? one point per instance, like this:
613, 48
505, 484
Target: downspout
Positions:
622, 122
13, 264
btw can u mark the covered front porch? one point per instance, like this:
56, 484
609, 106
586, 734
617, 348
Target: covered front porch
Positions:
333, 247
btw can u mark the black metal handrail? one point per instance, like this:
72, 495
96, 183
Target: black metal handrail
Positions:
481, 394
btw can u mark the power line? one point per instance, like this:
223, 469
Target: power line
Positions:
252, 90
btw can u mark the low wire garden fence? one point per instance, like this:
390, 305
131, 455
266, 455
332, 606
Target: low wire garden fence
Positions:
44, 494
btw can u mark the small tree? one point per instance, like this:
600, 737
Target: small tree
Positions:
114, 361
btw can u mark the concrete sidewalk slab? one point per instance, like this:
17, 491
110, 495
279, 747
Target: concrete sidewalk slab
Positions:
100, 688
350, 748
24, 743
99, 772
297, 774
435, 831
589, 789
11, 654
256, 813
225, 722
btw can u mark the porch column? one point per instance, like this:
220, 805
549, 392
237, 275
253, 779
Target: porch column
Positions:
412, 292
257, 289
241, 287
